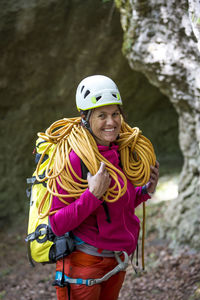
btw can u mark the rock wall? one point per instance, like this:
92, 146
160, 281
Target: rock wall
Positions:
46, 48
160, 40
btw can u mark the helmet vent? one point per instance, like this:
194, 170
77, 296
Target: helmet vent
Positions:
98, 98
114, 95
86, 94
82, 88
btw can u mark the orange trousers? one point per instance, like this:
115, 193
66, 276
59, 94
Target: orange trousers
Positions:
85, 266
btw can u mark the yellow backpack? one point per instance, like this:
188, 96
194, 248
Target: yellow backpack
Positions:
43, 245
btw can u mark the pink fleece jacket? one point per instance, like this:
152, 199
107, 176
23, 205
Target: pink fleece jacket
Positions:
86, 217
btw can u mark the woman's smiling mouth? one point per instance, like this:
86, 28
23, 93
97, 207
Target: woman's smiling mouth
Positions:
109, 129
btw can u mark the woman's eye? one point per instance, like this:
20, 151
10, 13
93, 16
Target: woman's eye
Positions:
116, 114
101, 116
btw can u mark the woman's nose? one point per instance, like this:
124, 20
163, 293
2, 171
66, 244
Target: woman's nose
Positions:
110, 120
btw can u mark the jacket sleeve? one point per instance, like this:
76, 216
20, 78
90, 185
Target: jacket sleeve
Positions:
68, 217
141, 196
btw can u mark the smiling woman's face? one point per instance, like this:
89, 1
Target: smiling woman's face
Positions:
105, 123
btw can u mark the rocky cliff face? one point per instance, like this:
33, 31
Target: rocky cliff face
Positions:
161, 41
46, 48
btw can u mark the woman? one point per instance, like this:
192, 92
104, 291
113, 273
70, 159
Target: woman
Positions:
100, 230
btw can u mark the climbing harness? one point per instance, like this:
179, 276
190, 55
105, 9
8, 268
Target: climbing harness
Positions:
62, 280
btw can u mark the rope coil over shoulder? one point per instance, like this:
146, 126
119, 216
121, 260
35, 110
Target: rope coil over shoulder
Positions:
136, 154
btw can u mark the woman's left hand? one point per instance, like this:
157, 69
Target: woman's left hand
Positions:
154, 175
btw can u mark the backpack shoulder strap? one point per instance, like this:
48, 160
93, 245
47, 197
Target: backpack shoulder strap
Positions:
84, 170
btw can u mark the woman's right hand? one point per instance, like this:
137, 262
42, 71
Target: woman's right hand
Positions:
100, 182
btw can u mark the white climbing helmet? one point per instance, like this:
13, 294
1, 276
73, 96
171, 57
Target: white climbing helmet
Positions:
95, 91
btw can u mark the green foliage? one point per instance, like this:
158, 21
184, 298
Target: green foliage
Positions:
104, 1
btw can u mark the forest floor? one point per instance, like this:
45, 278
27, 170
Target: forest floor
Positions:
168, 276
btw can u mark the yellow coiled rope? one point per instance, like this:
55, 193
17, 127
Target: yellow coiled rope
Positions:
136, 153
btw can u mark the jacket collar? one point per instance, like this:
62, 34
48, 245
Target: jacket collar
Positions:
110, 153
